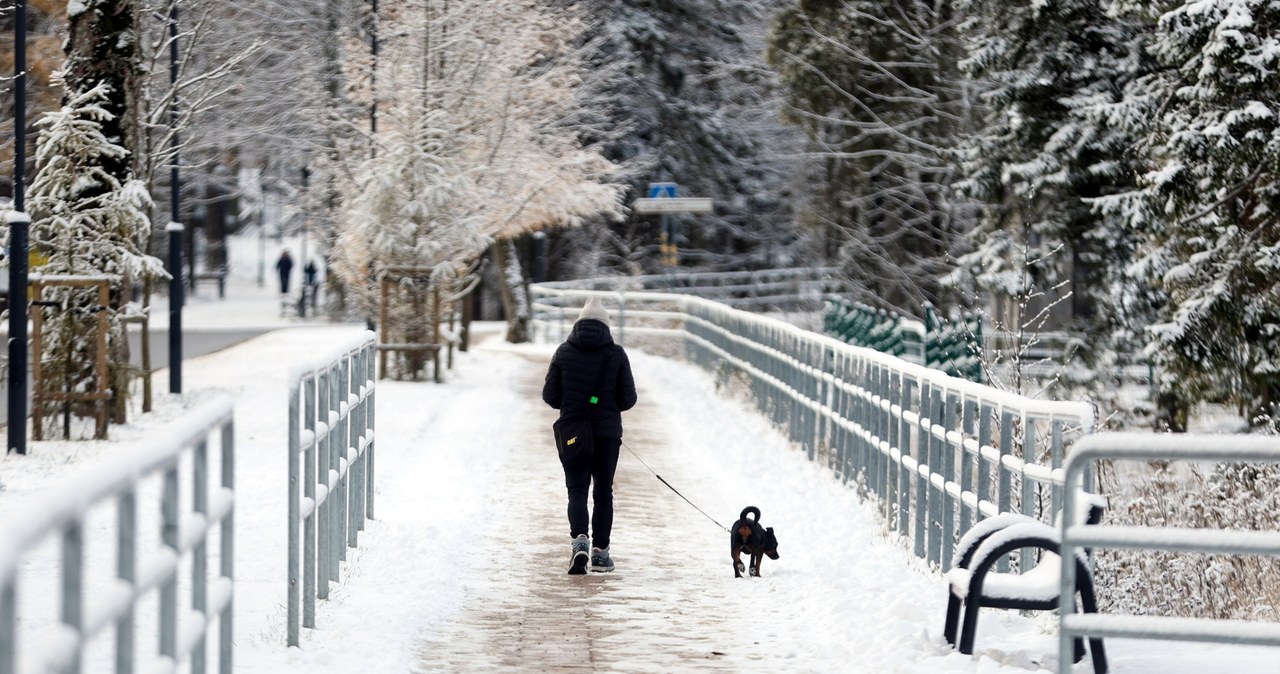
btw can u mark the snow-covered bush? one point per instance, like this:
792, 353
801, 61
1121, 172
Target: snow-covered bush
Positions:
85, 222
478, 145
1224, 496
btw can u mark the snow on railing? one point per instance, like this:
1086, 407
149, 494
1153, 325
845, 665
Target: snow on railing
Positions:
331, 477
1076, 536
89, 604
940, 452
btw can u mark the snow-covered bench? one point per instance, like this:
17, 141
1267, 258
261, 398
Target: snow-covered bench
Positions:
973, 584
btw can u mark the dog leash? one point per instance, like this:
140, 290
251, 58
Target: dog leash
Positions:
677, 491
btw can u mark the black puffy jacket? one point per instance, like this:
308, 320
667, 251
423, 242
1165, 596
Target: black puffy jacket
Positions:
575, 369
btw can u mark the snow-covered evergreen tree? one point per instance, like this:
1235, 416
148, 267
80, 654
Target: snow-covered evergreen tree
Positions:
678, 92
1210, 239
85, 221
1051, 76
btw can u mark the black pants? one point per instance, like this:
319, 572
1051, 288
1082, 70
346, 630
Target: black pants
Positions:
578, 478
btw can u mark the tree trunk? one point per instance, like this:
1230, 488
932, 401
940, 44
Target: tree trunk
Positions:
512, 290
101, 48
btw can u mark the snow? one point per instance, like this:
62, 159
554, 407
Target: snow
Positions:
846, 595
1039, 584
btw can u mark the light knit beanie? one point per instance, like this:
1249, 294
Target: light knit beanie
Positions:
594, 309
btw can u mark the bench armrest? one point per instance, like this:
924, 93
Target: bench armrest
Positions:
980, 531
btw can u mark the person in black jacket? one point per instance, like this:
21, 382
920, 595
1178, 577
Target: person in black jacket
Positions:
284, 265
574, 371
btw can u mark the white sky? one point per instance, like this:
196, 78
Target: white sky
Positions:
469, 492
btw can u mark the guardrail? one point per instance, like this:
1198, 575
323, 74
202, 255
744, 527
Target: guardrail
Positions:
938, 451
331, 471
184, 538
1075, 535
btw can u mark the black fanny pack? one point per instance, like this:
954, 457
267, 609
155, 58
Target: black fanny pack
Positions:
574, 438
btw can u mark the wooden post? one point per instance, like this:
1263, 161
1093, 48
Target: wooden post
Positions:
37, 347
102, 389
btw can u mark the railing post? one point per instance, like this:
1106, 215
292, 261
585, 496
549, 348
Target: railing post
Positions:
986, 413
357, 434
922, 482
169, 589
227, 556
893, 491
370, 410
73, 584
968, 414
309, 477
127, 572
1005, 487
937, 499
953, 503
322, 517
199, 556
622, 319
8, 627
293, 629
1029, 490
355, 513
904, 451
1055, 458
338, 446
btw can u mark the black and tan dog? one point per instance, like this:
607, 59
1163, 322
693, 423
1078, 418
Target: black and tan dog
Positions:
747, 534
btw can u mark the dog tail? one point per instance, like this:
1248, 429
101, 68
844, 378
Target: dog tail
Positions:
750, 509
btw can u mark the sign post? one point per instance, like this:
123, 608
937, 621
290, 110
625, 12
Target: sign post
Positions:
663, 201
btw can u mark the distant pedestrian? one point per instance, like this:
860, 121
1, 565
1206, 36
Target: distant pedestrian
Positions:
309, 274
587, 358
285, 266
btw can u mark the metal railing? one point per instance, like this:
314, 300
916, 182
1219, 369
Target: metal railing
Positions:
331, 471
1076, 535
938, 451
790, 289
184, 533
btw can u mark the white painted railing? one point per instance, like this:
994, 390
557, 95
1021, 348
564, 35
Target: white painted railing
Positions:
1076, 535
87, 608
331, 415
939, 452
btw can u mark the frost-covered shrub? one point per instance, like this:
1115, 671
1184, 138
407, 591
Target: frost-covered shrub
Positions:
1225, 496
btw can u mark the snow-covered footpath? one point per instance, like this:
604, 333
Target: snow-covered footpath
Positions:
845, 597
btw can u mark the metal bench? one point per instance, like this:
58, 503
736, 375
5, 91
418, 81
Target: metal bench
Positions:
219, 276
973, 584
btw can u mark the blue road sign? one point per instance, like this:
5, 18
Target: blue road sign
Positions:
662, 190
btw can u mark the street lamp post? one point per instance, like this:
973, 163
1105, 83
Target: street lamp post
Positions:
19, 224
174, 227
175, 306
